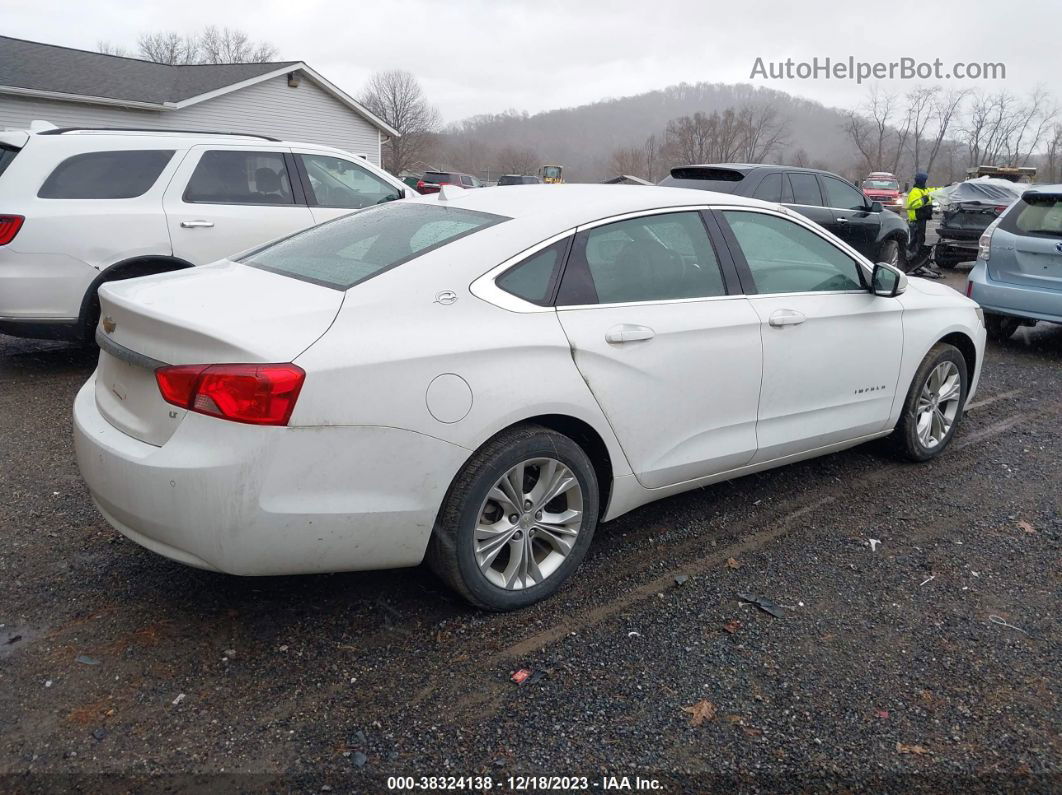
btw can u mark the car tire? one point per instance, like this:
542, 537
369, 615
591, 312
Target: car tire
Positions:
925, 429
478, 550
943, 259
1000, 327
892, 252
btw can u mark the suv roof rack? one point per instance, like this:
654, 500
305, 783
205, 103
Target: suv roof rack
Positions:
61, 130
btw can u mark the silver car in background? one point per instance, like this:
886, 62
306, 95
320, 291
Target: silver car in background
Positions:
1017, 279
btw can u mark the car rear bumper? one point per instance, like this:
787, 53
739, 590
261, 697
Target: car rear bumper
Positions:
1002, 298
249, 500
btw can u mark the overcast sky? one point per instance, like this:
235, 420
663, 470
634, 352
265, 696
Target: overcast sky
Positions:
477, 56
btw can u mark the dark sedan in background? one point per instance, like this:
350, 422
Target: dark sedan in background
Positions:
825, 198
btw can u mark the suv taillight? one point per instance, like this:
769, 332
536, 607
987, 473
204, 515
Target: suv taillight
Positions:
984, 244
9, 226
259, 394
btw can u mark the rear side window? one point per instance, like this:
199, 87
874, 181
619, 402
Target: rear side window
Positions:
653, 258
106, 175
1035, 215
769, 189
356, 247
237, 177
805, 189
7, 154
532, 278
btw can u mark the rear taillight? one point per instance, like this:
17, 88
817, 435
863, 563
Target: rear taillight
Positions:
984, 244
259, 394
969, 289
9, 226
420, 184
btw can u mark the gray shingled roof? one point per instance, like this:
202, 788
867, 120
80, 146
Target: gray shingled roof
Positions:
47, 67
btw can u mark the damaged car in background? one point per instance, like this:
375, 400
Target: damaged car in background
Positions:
965, 211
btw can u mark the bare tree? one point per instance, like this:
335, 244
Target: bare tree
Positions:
516, 160
210, 45
628, 160
921, 102
945, 107
106, 48
397, 98
1002, 129
226, 45
874, 131
799, 158
762, 132
651, 157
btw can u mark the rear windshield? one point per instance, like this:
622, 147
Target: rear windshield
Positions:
723, 180
356, 247
439, 176
1035, 215
7, 154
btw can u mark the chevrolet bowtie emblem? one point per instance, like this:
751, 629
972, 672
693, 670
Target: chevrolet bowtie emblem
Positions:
109, 325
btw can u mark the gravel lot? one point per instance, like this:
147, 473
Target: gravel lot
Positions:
886, 671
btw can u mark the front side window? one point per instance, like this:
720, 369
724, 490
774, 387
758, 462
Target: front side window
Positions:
652, 258
785, 257
106, 175
805, 189
842, 195
335, 182
356, 247
238, 177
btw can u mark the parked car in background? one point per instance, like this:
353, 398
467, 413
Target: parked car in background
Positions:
433, 180
883, 187
81, 207
518, 179
1017, 278
480, 377
825, 198
966, 209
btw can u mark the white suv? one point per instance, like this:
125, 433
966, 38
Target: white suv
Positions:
79, 207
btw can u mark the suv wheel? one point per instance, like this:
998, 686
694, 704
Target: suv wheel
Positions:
1000, 327
890, 252
934, 404
517, 519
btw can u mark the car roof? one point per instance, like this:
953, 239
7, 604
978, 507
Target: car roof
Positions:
108, 137
748, 167
572, 204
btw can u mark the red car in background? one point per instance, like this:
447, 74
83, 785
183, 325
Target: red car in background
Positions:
881, 186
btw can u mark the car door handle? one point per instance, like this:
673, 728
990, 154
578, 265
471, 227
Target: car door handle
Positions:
842, 220
196, 224
787, 317
626, 332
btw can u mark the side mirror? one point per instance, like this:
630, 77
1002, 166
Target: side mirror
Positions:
887, 281
876, 207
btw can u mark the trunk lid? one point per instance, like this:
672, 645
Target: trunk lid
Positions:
213, 314
1033, 262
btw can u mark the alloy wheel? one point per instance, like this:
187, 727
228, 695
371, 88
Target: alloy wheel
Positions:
938, 404
528, 523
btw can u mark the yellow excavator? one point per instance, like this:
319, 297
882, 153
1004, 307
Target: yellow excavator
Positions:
553, 175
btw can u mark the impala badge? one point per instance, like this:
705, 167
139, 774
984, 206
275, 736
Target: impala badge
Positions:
108, 324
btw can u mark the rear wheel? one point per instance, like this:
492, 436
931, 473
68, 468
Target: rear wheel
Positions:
517, 519
1001, 327
934, 404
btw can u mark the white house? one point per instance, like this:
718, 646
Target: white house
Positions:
77, 88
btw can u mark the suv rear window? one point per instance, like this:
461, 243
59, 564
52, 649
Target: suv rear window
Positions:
356, 247
440, 177
106, 175
1035, 214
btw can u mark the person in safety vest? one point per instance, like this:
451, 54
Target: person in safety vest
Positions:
919, 211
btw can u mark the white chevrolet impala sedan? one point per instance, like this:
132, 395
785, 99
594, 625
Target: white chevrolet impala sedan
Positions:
479, 378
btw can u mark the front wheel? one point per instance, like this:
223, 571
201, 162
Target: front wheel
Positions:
891, 253
517, 519
934, 404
